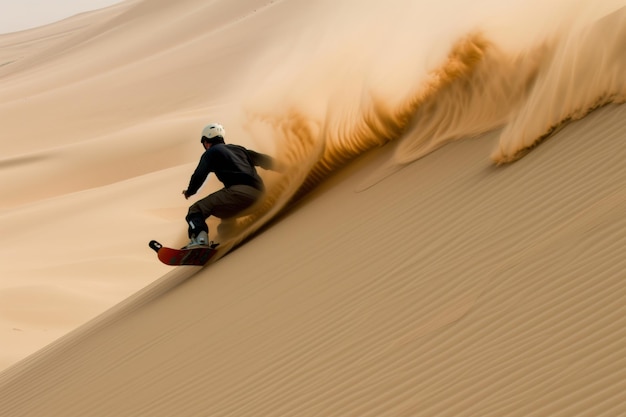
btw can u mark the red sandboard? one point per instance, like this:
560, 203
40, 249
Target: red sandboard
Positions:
194, 256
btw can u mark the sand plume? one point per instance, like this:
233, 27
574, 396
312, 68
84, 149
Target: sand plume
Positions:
585, 70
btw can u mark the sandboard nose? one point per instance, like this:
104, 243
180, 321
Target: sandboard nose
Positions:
155, 245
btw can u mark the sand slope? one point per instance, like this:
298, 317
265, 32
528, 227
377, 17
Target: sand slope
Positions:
412, 279
451, 295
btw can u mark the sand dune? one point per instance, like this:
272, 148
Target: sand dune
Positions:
400, 267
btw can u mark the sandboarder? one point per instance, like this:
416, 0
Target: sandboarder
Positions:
234, 166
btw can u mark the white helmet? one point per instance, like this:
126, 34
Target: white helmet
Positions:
213, 130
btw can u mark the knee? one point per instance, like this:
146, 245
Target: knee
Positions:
200, 209
194, 216
194, 208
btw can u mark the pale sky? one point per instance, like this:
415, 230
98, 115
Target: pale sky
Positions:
18, 15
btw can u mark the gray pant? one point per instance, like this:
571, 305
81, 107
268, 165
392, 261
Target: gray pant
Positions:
225, 203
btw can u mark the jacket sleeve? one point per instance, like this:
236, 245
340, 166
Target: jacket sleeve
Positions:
199, 175
261, 160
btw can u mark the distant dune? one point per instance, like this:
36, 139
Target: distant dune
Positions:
447, 239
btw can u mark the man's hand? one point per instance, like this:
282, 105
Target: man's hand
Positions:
279, 166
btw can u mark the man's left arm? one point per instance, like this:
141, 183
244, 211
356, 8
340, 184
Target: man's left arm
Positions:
199, 176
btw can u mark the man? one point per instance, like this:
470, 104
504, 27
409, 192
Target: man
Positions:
234, 166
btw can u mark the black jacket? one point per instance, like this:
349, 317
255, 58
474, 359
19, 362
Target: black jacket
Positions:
232, 164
